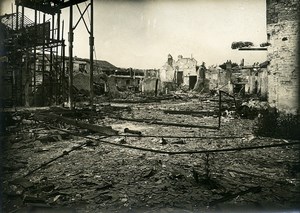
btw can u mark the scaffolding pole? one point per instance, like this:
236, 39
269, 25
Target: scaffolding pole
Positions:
51, 81
71, 58
91, 55
34, 55
43, 63
57, 88
63, 65
22, 22
17, 17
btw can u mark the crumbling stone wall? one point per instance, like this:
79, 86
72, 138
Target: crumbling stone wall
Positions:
263, 83
167, 72
81, 81
283, 53
188, 67
212, 75
149, 84
111, 86
224, 80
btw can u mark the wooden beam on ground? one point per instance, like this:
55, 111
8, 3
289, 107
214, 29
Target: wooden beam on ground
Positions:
185, 112
253, 48
104, 130
255, 189
165, 123
180, 152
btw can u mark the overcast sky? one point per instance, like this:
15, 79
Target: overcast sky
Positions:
142, 33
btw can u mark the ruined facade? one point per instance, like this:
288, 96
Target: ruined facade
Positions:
186, 71
151, 82
81, 74
219, 78
168, 70
182, 72
212, 75
251, 79
283, 53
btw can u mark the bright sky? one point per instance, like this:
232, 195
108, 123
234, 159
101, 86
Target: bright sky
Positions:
141, 34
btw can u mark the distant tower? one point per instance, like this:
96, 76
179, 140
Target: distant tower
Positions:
170, 60
228, 65
242, 63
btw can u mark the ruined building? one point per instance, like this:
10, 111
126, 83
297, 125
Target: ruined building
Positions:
168, 70
182, 72
186, 71
283, 53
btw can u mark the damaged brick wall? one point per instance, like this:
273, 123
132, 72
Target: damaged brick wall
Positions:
283, 53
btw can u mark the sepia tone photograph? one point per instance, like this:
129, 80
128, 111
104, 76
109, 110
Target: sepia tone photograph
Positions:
149, 106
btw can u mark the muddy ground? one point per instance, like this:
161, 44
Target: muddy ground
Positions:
101, 177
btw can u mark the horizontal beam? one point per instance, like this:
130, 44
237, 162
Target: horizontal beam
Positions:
70, 3
47, 8
253, 49
104, 130
38, 6
164, 123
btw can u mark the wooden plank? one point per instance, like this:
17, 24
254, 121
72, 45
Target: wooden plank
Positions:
185, 112
165, 123
104, 130
229, 197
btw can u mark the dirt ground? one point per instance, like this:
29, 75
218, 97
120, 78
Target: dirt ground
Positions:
99, 177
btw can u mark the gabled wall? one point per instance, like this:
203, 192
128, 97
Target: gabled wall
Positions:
168, 73
188, 67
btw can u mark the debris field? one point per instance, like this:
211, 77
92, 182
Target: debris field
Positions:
164, 156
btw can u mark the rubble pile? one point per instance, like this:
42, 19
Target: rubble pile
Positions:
93, 161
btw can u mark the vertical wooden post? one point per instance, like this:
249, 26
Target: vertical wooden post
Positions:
43, 62
50, 80
71, 58
63, 64
22, 21
35, 58
220, 105
156, 87
57, 67
17, 16
91, 55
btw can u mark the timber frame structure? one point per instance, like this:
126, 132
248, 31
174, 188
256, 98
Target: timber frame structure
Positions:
33, 65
